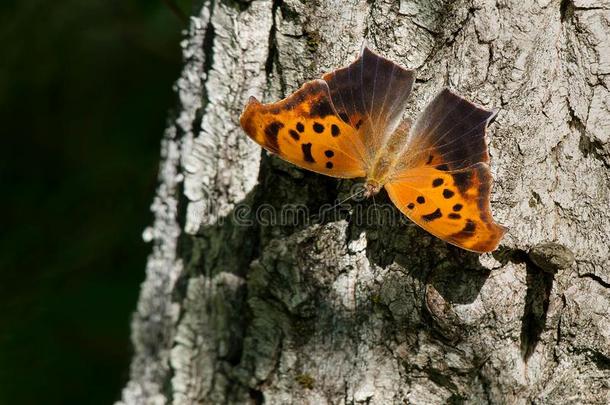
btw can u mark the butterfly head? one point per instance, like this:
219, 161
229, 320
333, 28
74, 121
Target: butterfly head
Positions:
371, 187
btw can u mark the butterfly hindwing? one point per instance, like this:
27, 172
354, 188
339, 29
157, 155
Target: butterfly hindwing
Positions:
306, 130
453, 206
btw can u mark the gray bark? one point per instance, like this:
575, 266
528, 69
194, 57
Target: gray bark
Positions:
336, 311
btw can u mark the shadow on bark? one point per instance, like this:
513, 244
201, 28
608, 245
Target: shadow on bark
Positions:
287, 295
539, 287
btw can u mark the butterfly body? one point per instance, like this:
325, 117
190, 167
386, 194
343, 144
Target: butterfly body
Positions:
349, 124
385, 161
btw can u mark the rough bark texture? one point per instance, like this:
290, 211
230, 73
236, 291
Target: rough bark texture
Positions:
335, 310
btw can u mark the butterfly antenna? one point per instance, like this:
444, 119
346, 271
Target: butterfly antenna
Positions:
347, 199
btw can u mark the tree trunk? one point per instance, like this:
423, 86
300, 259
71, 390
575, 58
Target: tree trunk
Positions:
243, 302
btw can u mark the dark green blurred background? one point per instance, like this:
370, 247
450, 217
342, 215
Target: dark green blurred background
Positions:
85, 87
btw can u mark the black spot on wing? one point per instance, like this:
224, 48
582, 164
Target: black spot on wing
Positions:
307, 156
448, 193
462, 180
294, 134
421, 199
300, 127
271, 132
437, 182
467, 231
411, 206
457, 207
470, 226
321, 109
454, 216
432, 216
334, 130
329, 165
329, 153
319, 128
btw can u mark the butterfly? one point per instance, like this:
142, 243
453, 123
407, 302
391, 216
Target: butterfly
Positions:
349, 125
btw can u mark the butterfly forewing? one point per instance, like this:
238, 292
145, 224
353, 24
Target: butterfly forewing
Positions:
371, 95
305, 130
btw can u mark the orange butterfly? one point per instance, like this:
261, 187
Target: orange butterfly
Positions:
349, 124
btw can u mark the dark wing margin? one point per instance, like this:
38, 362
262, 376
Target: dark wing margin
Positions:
450, 133
372, 90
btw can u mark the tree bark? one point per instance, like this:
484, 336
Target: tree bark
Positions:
240, 307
